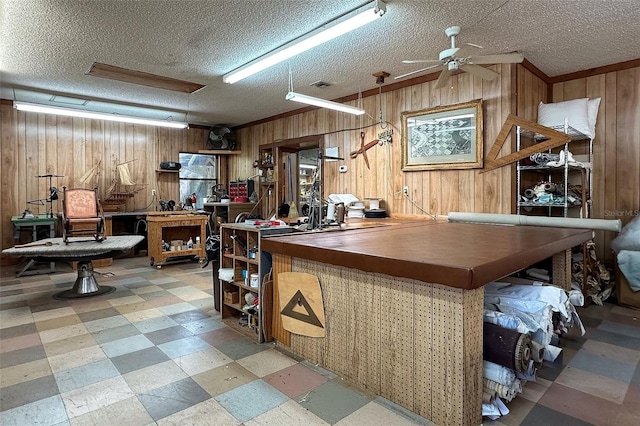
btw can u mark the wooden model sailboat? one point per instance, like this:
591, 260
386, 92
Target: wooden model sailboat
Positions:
121, 189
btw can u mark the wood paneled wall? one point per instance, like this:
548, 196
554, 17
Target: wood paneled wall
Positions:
436, 192
616, 146
37, 144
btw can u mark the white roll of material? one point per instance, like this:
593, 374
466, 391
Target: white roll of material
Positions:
556, 222
498, 373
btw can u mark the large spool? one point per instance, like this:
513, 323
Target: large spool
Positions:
614, 225
506, 347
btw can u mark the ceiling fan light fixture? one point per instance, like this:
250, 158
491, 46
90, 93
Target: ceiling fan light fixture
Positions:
335, 28
310, 100
69, 112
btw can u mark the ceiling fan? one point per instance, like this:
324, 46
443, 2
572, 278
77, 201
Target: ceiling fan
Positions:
456, 58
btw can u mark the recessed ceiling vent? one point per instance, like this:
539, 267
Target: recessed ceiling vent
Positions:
321, 84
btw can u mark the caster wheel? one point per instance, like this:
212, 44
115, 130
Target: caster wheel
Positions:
152, 262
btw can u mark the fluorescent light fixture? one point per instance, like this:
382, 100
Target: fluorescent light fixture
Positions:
307, 166
342, 25
310, 100
24, 106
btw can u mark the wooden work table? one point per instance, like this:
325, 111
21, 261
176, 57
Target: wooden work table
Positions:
404, 304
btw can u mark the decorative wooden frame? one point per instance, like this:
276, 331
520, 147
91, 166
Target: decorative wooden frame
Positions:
444, 137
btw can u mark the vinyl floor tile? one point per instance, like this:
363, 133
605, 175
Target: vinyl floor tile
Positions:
332, 402
19, 330
374, 413
598, 364
133, 308
126, 345
126, 412
153, 377
208, 412
620, 328
202, 361
154, 324
63, 333
613, 338
189, 316
220, 336
107, 323
177, 308
288, 414
22, 356
69, 345
172, 398
579, 405
266, 362
541, 415
85, 375
116, 333
53, 313
89, 398
46, 411
76, 358
98, 314
168, 334
593, 384
241, 348
19, 342
251, 400
224, 378
27, 392
142, 315
295, 380
133, 361
613, 352
58, 322
182, 347
519, 409
204, 325
10, 376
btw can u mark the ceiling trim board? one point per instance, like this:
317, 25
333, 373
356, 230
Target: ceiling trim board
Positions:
620, 66
536, 71
112, 72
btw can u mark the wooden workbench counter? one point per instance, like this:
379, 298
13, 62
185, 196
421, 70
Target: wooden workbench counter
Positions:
460, 255
404, 305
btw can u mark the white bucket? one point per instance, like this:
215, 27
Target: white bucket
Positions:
254, 280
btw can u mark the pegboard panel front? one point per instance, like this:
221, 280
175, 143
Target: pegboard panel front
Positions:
448, 355
280, 263
473, 324
422, 347
364, 330
396, 319
561, 267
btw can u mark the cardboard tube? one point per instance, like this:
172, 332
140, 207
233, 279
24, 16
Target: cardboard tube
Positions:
614, 225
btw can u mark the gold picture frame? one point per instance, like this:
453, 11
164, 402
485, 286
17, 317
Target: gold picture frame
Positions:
445, 137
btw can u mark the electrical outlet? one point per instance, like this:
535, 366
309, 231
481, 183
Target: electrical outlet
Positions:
153, 192
405, 190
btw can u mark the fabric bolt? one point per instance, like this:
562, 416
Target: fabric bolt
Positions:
506, 347
505, 392
498, 373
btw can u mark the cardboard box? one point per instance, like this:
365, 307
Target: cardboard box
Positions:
231, 297
626, 297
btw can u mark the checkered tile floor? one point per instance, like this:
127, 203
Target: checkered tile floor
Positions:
156, 353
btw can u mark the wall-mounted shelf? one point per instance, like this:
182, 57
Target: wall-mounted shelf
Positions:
167, 171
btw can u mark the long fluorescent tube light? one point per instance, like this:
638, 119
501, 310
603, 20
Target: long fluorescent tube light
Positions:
310, 100
24, 106
342, 25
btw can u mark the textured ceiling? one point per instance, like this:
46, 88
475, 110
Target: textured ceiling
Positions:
46, 46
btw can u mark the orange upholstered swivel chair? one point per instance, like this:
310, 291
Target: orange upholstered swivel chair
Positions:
82, 214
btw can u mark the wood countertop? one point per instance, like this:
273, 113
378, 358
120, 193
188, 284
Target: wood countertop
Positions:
461, 255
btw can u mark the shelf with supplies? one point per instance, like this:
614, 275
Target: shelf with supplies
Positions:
247, 298
555, 179
558, 182
166, 229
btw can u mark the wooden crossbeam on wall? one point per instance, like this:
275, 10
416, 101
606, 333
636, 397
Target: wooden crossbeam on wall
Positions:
555, 139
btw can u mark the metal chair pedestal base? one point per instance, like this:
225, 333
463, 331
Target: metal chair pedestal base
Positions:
85, 285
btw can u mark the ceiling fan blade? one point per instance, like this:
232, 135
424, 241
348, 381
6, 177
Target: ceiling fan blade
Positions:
443, 79
423, 61
504, 58
477, 70
417, 71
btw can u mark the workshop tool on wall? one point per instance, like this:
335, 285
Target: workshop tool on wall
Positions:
382, 138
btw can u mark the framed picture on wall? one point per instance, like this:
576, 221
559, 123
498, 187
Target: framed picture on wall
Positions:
443, 137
